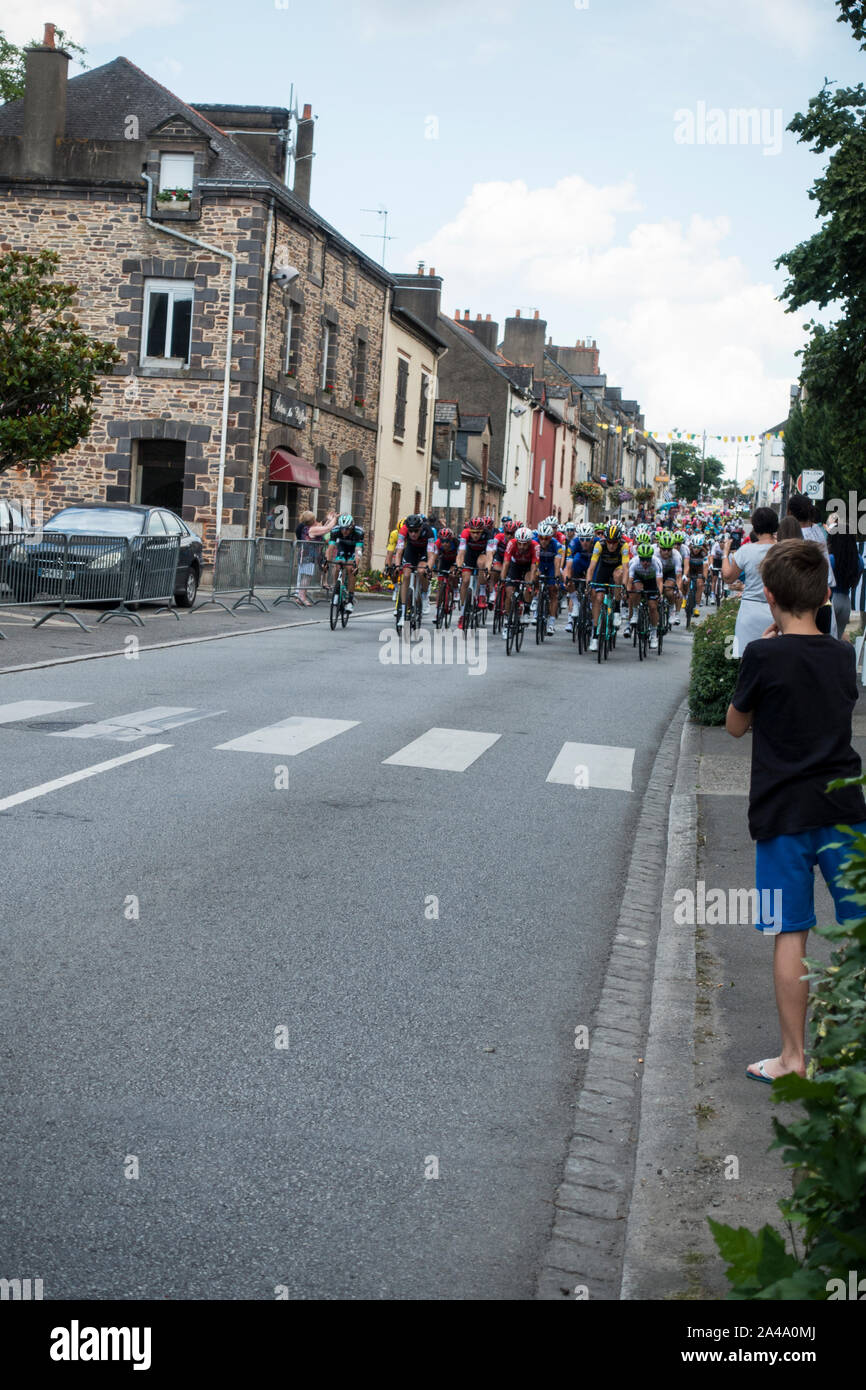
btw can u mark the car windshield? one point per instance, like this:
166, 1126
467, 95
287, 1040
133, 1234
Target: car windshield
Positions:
96, 522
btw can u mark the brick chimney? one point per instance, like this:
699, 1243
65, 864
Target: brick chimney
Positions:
524, 341
304, 156
45, 74
486, 330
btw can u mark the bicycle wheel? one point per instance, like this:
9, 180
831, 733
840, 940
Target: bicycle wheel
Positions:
690, 605
344, 612
601, 633
441, 604
513, 623
521, 626
540, 614
334, 611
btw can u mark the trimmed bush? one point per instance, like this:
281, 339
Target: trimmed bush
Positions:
827, 1147
714, 670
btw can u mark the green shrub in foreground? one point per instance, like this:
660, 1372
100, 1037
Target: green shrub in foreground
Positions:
828, 1145
714, 670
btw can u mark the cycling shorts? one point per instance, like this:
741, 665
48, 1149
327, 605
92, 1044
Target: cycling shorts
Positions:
518, 569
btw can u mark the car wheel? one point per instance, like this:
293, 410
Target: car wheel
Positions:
186, 598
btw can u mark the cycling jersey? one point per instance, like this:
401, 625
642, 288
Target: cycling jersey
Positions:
580, 559
414, 548
476, 547
645, 571
446, 552
611, 560
500, 541
547, 555
526, 554
348, 545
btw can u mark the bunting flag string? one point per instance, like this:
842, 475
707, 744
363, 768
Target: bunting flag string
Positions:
722, 438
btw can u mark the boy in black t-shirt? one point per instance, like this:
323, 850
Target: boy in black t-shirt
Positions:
796, 691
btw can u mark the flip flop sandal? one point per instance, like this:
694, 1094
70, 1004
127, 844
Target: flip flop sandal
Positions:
763, 1074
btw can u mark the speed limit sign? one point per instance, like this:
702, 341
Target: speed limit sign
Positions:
811, 484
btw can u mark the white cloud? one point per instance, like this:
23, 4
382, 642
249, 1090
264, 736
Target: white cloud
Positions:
378, 18
88, 21
679, 323
795, 25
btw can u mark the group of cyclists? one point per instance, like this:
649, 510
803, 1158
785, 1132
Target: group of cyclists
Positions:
680, 564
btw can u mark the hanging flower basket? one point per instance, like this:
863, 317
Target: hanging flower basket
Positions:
587, 492
643, 494
624, 495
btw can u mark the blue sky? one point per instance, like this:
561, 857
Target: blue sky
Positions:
553, 177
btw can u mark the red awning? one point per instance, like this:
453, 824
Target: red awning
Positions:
288, 468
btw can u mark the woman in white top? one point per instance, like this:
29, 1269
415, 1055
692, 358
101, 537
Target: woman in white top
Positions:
754, 616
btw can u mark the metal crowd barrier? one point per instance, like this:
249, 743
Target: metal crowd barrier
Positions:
60, 568
247, 567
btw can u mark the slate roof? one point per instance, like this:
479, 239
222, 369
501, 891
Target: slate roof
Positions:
98, 102
493, 359
473, 424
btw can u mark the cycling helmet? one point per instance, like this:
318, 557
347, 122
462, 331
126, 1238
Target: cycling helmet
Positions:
414, 522
345, 520
613, 531
446, 534
645, 550
679, 538
545, 529
477, 523
509, 527
488, 521
571, 526
586, 531
698, 540
666, 540
522, 535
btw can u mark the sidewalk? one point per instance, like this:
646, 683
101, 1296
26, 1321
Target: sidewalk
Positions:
704, 1127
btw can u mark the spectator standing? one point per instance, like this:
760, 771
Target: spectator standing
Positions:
796, 691
846, 563
308, 529
744, 565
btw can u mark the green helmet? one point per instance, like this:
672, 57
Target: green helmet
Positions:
645, 550
666, 541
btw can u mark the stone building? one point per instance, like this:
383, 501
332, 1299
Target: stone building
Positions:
177, 226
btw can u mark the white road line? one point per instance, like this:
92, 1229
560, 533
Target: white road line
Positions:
593, 765
444, 750
30, 709
290, 736
142, 723
45, 787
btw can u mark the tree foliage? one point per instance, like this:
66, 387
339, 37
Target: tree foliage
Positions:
12, 62
686, 471
829, 269
49, 367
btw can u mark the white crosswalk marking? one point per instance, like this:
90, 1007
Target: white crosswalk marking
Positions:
20, 710
593, 765
290, 736
444, 750
142, 723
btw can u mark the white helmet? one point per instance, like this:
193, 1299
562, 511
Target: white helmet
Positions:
523, 534
570, 526
698, 540
545, 529
586, 531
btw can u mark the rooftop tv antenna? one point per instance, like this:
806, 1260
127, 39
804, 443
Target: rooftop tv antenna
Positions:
383, 213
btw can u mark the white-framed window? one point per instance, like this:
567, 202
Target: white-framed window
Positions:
167, 327
541, 473
294, 328
326, 353
176, 171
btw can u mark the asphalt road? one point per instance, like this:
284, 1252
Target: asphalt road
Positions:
295, 985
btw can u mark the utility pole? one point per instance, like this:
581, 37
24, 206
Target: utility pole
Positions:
703, 456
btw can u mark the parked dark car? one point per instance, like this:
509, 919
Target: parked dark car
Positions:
29, 566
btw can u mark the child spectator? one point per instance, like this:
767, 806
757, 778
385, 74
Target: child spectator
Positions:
796, 691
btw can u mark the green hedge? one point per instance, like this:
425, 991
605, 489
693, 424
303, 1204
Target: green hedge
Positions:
826, 1146
714, 670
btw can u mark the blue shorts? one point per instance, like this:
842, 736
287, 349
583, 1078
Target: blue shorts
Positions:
784, 876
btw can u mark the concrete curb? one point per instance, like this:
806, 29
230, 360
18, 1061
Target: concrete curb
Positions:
587, 1242
668, 1135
